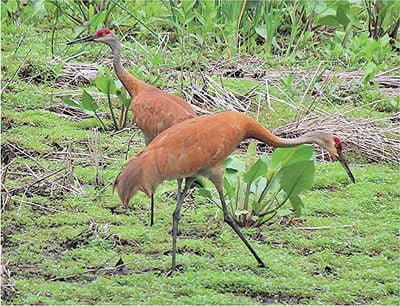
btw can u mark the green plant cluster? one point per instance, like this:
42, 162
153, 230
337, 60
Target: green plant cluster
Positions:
359, 34
257, 188
232, 26
109, 87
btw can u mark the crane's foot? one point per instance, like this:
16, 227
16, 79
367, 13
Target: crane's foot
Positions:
170, 273
173, 270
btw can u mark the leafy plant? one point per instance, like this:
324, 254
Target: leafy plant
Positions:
383, 18
371, 54
256, 189
87, 104
334, 13
288, 82
267, 28
109, 87
81, 14
233, 25
391, 104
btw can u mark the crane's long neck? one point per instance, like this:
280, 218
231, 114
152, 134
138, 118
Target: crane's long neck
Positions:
131, 84
260, 133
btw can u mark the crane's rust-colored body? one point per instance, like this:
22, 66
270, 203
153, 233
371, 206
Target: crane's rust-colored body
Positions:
154, 110
199, 146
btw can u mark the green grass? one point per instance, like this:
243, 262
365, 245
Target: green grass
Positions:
60, 246
353, 260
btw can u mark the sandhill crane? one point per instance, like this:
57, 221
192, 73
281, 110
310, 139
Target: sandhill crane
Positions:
154, 110
199, 146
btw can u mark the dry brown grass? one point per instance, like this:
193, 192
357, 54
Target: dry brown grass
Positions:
372, 138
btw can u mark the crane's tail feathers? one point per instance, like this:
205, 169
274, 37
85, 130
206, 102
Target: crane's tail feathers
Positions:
127, 182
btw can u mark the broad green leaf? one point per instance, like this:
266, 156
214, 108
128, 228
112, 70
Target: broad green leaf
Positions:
265, 158
106, 85
258, 169
329, 20
205, 193
250, 157
230, 191
102, 84
235, 164
297, 204
90, 12
273, 186
370, 71
283, 157
87, 102
298, 177
72, 102
124, 97
341, 15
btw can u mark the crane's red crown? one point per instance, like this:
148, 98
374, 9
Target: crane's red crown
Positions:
338, 142
103, 32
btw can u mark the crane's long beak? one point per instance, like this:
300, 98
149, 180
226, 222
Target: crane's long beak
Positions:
345, 166
81, 40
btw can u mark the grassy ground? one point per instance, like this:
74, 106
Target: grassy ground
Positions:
63, 231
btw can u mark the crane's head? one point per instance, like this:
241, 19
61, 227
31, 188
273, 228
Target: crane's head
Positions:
335, 148
104, 35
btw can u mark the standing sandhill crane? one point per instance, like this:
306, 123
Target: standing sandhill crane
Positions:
154, 110
199, 146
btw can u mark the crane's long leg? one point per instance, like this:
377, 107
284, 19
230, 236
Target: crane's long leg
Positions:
152, 201
179, 189
152, 210
228, 219
147, 140
176, 216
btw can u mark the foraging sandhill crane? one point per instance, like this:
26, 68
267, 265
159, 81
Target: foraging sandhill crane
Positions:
154, 110
199, 146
